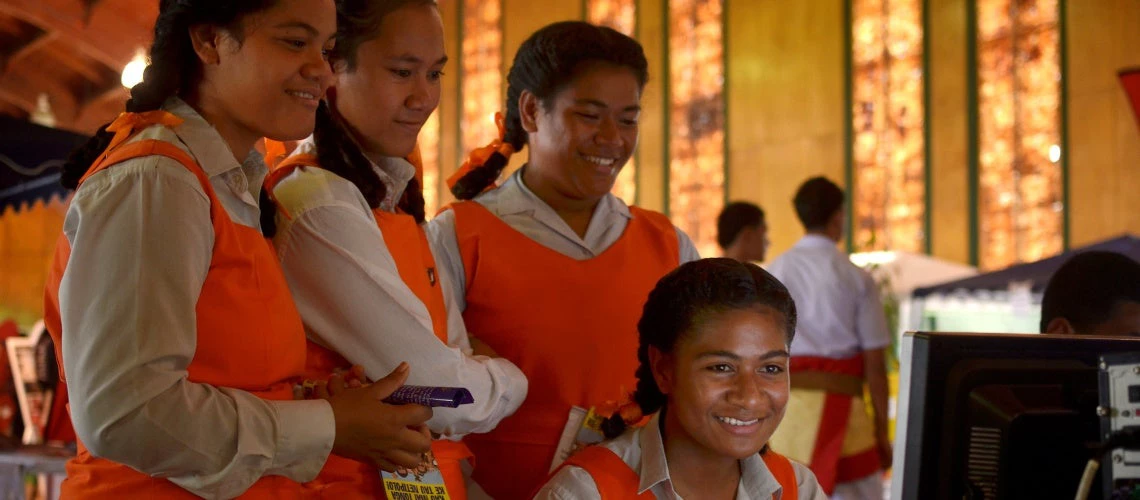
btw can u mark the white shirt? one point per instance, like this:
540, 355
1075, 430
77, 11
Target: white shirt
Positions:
840, 313
643, 450
141, 240
517, 206
352, 299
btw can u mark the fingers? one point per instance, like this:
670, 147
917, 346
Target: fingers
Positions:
399, 458
413, 441
321, 390
335, 385
413, 416
385, 465
355, 376
385, 386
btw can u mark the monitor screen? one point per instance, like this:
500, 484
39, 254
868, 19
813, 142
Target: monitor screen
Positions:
997, 416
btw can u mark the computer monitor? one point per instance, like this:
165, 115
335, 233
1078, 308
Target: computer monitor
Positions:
997, 416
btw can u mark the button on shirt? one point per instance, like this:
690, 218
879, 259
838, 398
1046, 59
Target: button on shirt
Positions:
517, 206
840, 313
643, 450
142, 239
352, 299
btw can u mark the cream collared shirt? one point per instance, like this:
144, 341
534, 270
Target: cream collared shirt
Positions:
517, 206
141, 242
352, 299
840, 314
643, 450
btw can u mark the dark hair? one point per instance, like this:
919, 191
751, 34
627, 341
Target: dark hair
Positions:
174, 66
357, 22
545, 64
817, 201
686, 297
1087, 288
734, 218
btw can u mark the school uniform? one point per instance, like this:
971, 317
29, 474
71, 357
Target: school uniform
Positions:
827, 425
561, 307
370, 293
178, 338
633, 466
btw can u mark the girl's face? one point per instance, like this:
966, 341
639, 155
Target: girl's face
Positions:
268, 83
726, 383
395, 85
582, 142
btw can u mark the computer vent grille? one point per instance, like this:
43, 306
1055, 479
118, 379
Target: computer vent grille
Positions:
982, 463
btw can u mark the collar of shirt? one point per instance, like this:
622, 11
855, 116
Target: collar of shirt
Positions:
213, 154
513, 197
755, 479
394, 172
817, 241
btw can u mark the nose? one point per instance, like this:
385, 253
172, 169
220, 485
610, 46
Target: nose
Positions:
608, 134
747, 391
420, 97
318, 70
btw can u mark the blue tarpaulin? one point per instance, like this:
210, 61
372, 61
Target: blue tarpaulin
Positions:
1038, 273
30, 159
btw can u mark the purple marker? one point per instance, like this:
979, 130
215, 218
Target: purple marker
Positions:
435, 397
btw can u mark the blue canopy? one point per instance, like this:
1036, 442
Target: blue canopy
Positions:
1036, 272
30, 158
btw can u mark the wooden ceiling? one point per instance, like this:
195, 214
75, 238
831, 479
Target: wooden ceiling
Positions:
73, 51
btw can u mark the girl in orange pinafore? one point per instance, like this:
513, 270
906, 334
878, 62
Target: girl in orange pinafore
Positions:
713, 373
553, 269
348, 208
179, 342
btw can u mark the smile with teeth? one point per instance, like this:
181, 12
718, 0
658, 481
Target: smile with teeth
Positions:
303, 95
598, 160
737, 423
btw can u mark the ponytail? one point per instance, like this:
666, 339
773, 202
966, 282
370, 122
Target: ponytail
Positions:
161, 80
484, 165
647, 399
412, 202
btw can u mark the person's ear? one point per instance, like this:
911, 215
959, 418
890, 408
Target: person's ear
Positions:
528, 111
1060, 326
663, 366
206, 40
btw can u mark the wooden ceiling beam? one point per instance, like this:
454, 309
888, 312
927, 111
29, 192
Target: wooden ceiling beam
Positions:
30, 48
23, 90
109, 32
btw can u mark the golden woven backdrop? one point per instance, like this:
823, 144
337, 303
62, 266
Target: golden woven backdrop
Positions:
1020, 192
889, 198
696, 119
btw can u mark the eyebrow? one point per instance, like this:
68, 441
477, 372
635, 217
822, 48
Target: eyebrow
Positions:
731, 355
313, 32
600, 104
408, 58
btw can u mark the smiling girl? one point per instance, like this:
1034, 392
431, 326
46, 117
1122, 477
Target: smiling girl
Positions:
179, 340
345, 217
714, 375
552, 269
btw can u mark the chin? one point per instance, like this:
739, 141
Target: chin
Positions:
741, 452
297, 131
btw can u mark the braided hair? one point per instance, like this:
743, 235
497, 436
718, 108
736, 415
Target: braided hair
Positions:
358, 21
686, 297
545, 64
174, 66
